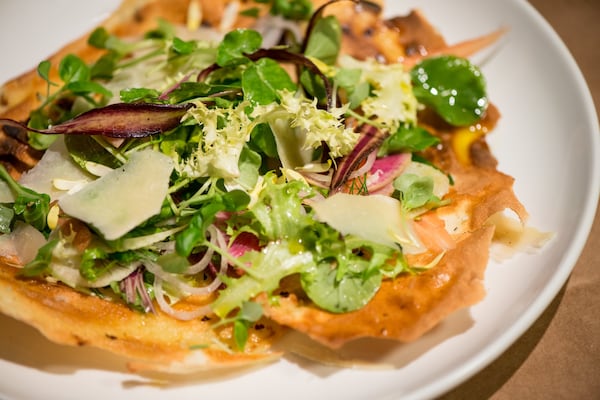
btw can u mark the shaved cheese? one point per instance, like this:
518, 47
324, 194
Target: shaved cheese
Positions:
378, 218
124, 198
55, 165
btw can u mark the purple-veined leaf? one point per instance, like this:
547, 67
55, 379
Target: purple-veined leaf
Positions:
121, 120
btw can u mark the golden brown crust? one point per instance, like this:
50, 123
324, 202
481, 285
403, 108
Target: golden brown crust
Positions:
153, 342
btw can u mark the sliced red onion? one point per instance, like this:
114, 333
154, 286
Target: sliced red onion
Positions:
133, 286
177, 282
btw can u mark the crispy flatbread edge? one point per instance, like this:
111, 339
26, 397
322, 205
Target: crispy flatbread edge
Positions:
149, 342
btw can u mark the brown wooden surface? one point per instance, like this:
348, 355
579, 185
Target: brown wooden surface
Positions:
559, 356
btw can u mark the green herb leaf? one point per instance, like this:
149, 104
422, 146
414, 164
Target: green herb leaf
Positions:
416, 191
98, 38
33, 207
251, 12
43, 71
73, 69
133, 95
183, 47
325, 40
262, 81
87, 87
453, 87
408, 139
292, 9
235, 44
105, 66
195, 233
347, 287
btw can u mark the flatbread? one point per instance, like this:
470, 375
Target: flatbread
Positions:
403, 309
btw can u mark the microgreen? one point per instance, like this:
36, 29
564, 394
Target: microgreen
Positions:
408, 138
31, 206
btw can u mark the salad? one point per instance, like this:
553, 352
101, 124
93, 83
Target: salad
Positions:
233, 168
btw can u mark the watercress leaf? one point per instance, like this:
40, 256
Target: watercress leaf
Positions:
454, 87
359, 93
186, 240
183, 47
98, 38
408, 138
292, 9
416, 190
325, 40
340, 293
235, 200
262, 81
176, 142
87, 87
102, 39
235, 44
195, 233
132, 95
43, 71
73, 69
192, 90
105, 66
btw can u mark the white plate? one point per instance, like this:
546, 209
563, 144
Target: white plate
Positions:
548, 139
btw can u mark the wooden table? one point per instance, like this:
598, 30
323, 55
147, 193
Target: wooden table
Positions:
559, 356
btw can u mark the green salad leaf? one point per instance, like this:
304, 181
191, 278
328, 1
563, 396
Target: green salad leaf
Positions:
452, 86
